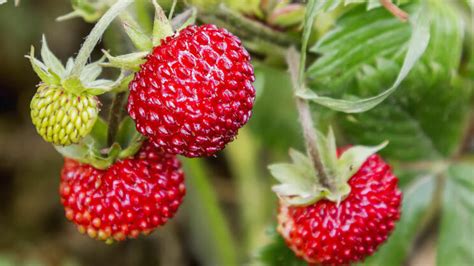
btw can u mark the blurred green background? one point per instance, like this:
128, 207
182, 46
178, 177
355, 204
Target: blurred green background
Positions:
229, 208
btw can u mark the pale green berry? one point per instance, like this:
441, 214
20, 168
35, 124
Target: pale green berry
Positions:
63, 118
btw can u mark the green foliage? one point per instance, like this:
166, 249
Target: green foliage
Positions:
416, 47
411, 119
424, 120
359, 38
457, 228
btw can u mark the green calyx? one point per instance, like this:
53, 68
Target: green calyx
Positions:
142, 39
299, 182
53, 73
95, 151
63, 118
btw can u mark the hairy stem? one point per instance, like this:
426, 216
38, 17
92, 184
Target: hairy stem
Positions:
306, 120
252, 27
96, 34
395, 10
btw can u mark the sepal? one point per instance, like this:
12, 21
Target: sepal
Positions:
186, 18
137, 35
161, 25
93, 149
42, 70
130, 61
52, 72
299, 183
50, 60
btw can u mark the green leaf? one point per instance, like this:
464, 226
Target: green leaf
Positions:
426, 118
277, 253
416, 200
455, 246
416, 48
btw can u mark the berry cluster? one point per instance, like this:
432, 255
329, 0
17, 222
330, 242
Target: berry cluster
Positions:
190, 97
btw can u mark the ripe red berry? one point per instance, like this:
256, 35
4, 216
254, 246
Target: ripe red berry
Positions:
132, 196
193, 92
328, 233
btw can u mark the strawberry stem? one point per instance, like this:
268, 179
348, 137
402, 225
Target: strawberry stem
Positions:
306, 120
96, 34
228, 18
115, 116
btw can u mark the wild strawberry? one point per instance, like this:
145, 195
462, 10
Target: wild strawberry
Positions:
63, 118
329, 233
65, 106
193, 92
342, 223
132, 196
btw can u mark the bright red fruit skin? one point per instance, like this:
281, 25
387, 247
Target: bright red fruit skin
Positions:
132, 196
193, 92
329, 234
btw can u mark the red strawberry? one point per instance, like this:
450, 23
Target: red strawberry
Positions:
132, 196
328, 233
193, 92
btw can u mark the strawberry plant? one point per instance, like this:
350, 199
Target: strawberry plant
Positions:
346, 127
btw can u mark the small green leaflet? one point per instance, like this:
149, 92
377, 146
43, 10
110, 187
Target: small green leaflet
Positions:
416, 47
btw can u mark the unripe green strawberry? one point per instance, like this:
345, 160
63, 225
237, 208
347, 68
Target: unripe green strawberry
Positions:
61, 117
65, 106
